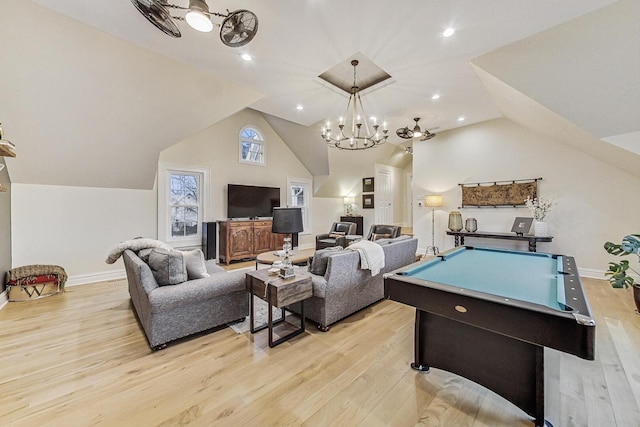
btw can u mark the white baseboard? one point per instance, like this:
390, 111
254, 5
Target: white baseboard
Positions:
83, 279
591, 273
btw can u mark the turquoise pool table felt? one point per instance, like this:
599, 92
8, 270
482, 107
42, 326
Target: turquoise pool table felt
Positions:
518, 275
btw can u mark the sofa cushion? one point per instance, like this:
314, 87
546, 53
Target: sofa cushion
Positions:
321, 258
168, 267
196, 267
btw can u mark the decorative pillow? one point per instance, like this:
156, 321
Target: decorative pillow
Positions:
375, 236
143, 254
168, 267
196, 267
337, 234
321, 258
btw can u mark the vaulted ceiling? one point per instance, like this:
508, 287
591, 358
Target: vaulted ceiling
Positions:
95, 88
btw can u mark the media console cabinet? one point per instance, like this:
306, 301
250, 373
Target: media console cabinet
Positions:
240, 239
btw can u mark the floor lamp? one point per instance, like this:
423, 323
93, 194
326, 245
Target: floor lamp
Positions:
433, 201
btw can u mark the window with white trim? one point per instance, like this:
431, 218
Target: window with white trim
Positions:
252, 146
182, 195
299, 196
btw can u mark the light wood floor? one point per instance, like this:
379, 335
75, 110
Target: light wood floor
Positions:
81, 359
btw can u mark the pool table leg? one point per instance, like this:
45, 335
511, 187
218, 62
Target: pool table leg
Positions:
418, 344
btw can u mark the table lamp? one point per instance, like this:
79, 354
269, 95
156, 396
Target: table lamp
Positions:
348, 204
433, 201
286, 221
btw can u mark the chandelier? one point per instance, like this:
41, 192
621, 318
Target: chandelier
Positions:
359, 138
237, 28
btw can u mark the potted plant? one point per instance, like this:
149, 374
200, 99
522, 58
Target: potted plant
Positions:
618, 271
539, 209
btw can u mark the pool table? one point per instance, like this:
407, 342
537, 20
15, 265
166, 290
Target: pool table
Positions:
487, 314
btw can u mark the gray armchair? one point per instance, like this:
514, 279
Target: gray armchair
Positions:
327, 240
380, 231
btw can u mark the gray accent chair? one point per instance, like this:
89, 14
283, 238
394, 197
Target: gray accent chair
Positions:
326, 241
167, 313
345, 288
392, 231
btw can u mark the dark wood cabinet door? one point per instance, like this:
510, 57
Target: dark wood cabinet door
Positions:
240, 241
262, 237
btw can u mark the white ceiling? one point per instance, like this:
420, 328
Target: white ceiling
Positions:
298, 40
96, 90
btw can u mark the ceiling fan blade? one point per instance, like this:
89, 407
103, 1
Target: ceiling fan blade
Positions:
158, 15
239, 28
404, 133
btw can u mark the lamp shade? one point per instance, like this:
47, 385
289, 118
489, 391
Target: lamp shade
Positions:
349, 200
287, 220
433, 201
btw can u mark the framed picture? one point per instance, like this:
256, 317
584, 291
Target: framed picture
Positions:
367, 201
521, 225
367, 185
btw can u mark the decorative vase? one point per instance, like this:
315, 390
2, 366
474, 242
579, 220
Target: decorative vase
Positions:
455, 221
471, 225
541, 229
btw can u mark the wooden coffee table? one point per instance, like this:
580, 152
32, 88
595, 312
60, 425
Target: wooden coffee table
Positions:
297, 256
278, 292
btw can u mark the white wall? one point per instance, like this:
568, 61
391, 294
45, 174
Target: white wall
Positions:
217, 148
596, 202
77, 227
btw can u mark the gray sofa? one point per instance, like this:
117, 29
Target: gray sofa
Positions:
175, 311
345, 288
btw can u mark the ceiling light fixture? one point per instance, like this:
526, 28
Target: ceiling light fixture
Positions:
408, 150
197, 16
299, 107
448, 32
356, 140
246, 57
237, 28
416, 132
461, 119
436, 96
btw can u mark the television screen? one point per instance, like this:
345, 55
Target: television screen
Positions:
248, 201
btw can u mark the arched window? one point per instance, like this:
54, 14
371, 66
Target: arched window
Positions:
252, 146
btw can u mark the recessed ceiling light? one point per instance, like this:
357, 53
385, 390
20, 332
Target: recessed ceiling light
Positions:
299, 107
448, 32
436, 96
461, 119
246, 57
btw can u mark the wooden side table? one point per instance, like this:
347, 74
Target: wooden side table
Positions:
278, 292
297, 257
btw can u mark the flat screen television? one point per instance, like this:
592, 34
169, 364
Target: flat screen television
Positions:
249, 201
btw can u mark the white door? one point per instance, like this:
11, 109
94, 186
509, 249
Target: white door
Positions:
384, 196
408, 205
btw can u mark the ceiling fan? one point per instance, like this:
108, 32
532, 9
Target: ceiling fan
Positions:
237, 28
416, 132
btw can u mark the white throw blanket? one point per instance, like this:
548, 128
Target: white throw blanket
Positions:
371, 255
135, 245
